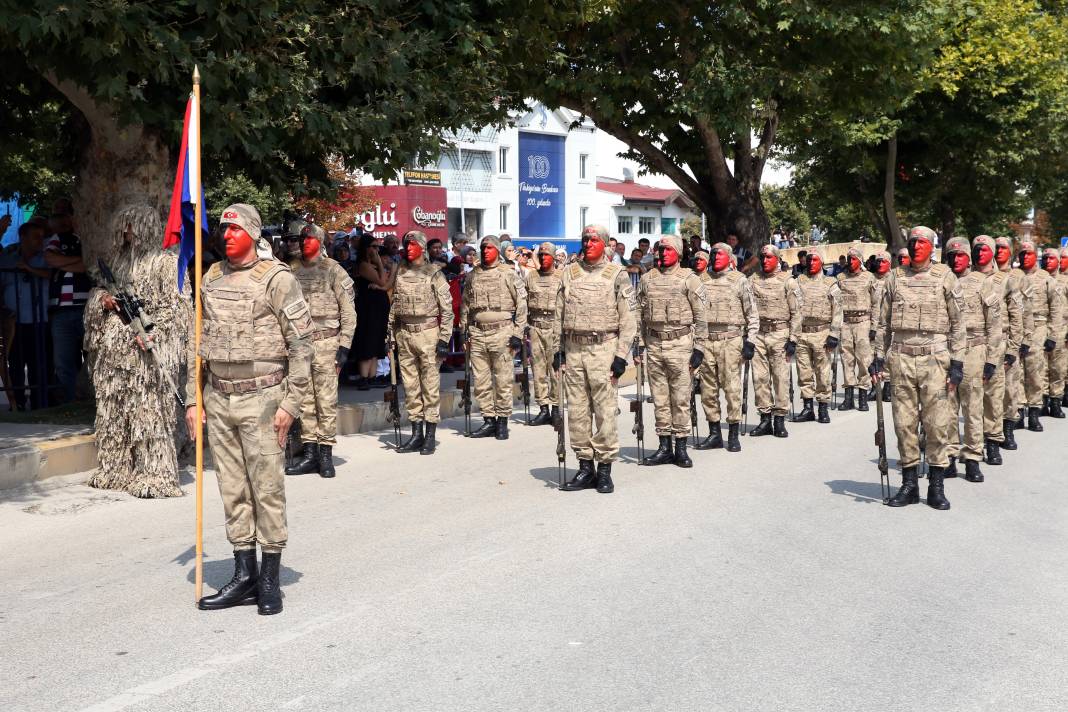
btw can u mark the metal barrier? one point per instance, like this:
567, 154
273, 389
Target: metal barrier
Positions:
25, 345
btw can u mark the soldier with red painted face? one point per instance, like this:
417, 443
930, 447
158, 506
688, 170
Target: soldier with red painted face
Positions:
733, 319
543, 288
859, 299
1002, 347
921, 338
1020, 325
1047, 312
779, 302
880, 271
821, 328
1055, 357
1062, 358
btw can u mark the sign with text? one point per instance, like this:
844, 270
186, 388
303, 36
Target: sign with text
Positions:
400, 208
418, 176
541, 185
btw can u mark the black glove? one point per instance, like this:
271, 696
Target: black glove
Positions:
696, 358
956, 372
1049, 345
558, 360
831, 343
791, 348
1009, 359
515, 342
618, 367
341, 357
442, 348
1024, 350
871, 335
748, 350
876, 367
988, 371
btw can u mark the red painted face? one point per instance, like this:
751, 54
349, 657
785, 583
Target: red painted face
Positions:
882, 266
489, 255
959, 262
769, 263
984, 255
413, 251
310, 248
722, 261
1028, 259
700, 264
905, 260
920, 250
670, 258
546, 261
1064, 263
1002, 254
594, 248
815, 264
854, 264
238, 242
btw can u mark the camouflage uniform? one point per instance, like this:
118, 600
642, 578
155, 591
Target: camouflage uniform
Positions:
1021, 293
542, 291
1006, 343
1062, 349
779, 303
859, 292
1056, 356
878, 287
821, 329
1046, 312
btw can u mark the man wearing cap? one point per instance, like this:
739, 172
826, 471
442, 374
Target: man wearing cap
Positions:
1018, 326
596, 317
1046, 311
328, 289
1051, 263
821, 328
256, 351
779, 302
494, 314
674, 329
420, 323
880, 270
921, 337
985, 349
859, 298
733, 319
1001, 347
543, 289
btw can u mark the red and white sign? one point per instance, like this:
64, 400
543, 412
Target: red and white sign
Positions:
400, 208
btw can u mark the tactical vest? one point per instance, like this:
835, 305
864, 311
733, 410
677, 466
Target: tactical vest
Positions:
239, 324
413, 295
590, 299
724, 307
919, 303
770, 294
665, 303
491, 290
971, 285
815, 291
318, 292
541, 293
1039, 280
856, 291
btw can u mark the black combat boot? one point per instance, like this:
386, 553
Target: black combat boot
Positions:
824, 416
663, 454
972, 473
307, 464
732, 438
951, 471
847, 401
936, 491
270, 592
1009, 426
806, 413
429, 445
604, 478
1064, 399
554, 415
241, 590
415, 442
682, 459
993, 452
886, 392
488, 429
1021, 422
1033, 423
714, 439
910, 489
1055, 410
543, 417
584, 479
502, 427
764, 428
779, 427
862, 399
1045, 407
326, 461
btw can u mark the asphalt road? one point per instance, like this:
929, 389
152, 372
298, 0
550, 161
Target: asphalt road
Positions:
771, 579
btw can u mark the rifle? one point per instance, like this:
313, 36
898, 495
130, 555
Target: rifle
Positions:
695, 388
745, 395
130, 308
880, 442
390, 396
560, 423
834, 377
637, 404
923, 450
464, 385
292, 442
524, 380
790, 368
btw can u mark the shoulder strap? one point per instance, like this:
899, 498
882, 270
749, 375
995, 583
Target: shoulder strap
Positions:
265, 269
214, 272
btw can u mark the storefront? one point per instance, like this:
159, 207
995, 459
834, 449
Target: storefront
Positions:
400, 208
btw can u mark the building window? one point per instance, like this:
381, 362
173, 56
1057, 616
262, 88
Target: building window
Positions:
583, 212
624, 225
583, 160
646, 226
502, 159
504, 216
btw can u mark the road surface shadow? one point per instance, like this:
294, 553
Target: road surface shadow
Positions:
550, 476
629, 455
860, 491
217, 573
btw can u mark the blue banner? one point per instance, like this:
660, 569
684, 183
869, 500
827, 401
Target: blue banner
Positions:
541, 186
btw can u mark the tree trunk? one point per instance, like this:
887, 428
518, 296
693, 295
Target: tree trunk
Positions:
740, 213
948, 216
894, 241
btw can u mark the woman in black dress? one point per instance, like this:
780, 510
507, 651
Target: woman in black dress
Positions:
372, 311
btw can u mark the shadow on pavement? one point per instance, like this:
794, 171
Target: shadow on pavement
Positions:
550, 477
629, 455
859, 491
217, 573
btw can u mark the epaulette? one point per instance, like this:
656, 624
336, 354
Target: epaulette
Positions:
576, 270
267, 268
610, 271
214, 272
939, 270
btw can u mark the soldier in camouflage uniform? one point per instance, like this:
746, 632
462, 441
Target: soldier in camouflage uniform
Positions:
543, 287
1002, 347
328, 290
494, 314
1020, 294
257, 358
779, 301
1062, 279
596, 316
420, 323
879, 273
921, 329
1056, 357
733, 318
982, 297
859, 299
1047, 312
673, 328
821, 328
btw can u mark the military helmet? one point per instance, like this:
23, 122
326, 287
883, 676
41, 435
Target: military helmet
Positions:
596, 230
984, 240
769, 250
292, 228
1027, 246
314, 231
959, 244
243, 216
672, 241
490, 240
921, 232
547, 248
416, 236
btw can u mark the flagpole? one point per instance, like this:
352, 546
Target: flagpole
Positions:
197, 271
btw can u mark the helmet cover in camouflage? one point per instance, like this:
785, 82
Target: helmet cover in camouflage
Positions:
243, 216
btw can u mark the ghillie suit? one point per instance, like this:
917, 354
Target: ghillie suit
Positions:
136, 410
